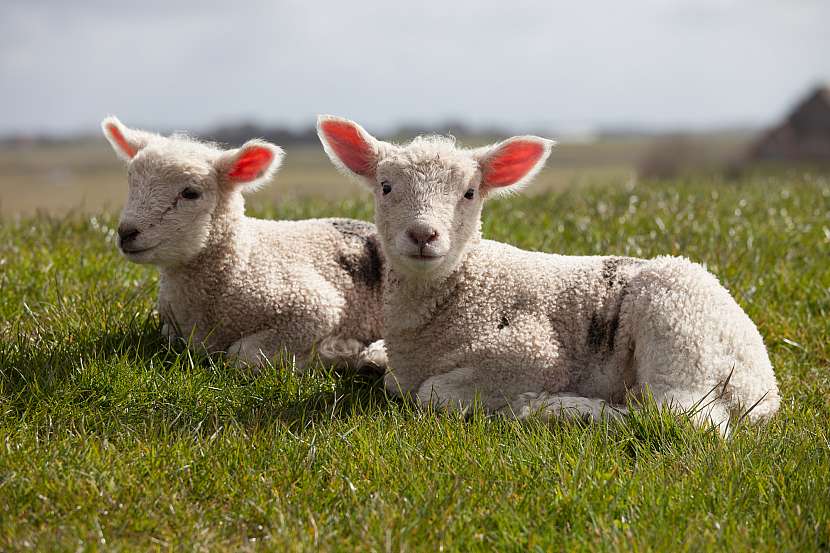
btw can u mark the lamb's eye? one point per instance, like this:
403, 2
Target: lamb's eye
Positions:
469, 194
190, 194
386, 187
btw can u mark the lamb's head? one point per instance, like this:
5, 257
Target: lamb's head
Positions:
429, 193
182, 191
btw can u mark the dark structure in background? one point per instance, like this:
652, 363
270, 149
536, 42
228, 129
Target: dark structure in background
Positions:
803, 137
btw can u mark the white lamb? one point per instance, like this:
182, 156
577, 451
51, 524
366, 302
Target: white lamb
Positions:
232, 283
528, 332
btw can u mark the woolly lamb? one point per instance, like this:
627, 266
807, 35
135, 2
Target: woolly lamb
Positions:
529, 332
232, 283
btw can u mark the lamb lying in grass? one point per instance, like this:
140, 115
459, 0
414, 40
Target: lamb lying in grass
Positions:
233, 283
528, 332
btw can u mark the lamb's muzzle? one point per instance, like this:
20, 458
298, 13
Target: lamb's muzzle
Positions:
421, 234
126, 234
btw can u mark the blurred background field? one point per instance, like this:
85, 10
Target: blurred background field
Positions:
84, 176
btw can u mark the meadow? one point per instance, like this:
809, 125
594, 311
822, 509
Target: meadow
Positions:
112, 440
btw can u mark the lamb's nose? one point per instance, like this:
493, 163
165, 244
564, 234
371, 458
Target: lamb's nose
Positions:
127, 233
422, 234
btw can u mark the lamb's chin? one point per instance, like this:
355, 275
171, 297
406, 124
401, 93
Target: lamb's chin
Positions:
141, 258
420, 269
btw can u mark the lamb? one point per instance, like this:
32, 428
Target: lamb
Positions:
240, 285
468, 319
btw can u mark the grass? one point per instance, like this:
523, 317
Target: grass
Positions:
110, 440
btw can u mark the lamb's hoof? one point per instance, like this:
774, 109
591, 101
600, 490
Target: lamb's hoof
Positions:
391, 385
526, 405
339, 351
174, 341
373, 358
248, 357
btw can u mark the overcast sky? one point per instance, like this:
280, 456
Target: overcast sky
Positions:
521, 64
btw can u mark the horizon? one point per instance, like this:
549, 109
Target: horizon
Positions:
404, 130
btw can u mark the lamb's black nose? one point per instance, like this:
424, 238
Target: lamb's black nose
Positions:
127, 233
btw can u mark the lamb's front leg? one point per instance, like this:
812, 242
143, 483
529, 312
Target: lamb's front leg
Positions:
458, 389
546, 406
169, 333
263, 348
255, 350
373, 356
258, 350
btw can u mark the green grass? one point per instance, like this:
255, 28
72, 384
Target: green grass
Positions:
110, 440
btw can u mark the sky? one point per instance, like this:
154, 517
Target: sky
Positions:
518, 64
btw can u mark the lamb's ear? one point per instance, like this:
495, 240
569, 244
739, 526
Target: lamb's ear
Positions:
125, 141
509, 165
250, 166
350, 148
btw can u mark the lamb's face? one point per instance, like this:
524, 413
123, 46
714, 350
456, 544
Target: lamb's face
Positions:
427, 205
180, 189
167, 218
429, 193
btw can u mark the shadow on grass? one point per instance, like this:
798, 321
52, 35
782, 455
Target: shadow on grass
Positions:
130, 376
43, 359
337, 396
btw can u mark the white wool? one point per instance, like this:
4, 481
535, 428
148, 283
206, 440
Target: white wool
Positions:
246, 286
537, 333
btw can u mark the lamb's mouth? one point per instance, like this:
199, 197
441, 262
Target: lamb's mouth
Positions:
425, 257
137, 251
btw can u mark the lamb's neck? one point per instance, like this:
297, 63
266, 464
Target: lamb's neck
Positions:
224, 247
227, 225
413, 301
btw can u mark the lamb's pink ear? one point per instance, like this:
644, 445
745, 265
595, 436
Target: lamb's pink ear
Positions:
350, 148
125, 141
250, 166
508, 166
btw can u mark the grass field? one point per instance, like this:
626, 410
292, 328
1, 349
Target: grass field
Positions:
110, 440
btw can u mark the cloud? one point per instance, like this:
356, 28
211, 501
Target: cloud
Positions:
526, 64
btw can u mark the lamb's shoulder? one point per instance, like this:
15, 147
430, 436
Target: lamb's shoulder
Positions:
186, 311
272, 272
